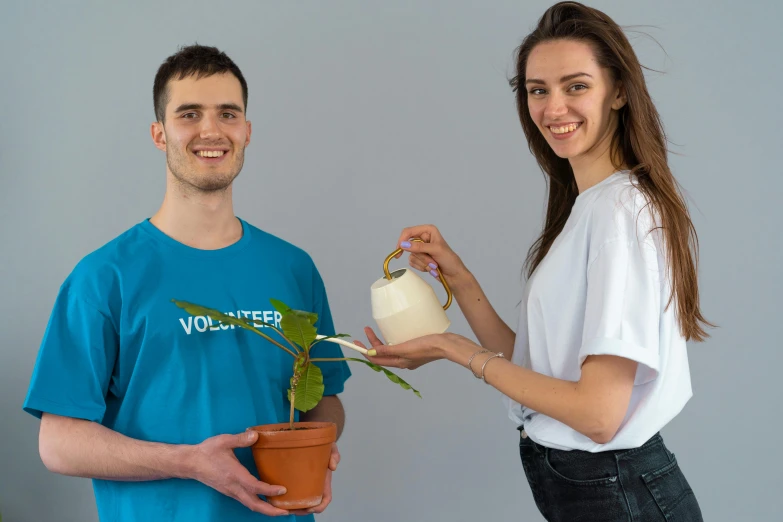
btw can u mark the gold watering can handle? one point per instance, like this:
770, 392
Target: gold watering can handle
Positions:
442, 279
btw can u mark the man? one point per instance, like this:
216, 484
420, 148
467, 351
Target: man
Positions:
152, 403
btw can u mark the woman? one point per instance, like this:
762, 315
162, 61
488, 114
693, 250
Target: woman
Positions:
598, 365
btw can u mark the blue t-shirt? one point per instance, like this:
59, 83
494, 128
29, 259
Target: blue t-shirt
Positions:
118, 352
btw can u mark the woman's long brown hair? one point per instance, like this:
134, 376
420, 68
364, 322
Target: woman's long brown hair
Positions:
639, 142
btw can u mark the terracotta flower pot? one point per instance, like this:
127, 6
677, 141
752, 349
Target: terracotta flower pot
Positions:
295, 459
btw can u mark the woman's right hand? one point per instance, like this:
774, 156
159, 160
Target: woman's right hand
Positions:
433, 253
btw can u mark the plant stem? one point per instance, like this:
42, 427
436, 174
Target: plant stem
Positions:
329, 360
339, 341
289, 341
273, 341
293, 399
298, 369
252, 328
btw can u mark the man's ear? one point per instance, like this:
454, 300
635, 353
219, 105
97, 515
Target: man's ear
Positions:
158, 135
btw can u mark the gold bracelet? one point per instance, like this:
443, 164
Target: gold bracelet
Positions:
471, 360
499, 354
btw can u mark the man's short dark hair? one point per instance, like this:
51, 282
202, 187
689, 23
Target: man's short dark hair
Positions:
194, 60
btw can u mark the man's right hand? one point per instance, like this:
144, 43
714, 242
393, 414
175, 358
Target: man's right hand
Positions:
215, 464
82, 448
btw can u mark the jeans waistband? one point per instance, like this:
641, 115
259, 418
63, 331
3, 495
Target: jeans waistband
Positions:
655, 439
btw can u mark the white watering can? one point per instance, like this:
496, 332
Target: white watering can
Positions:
405, 307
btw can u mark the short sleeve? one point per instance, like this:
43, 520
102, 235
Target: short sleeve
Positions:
622, 311
335, 373
75, 360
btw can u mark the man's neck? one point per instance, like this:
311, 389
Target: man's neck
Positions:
200, 220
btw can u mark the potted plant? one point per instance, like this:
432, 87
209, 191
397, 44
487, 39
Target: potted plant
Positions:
294, 454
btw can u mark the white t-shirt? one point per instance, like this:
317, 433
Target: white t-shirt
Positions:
601, 290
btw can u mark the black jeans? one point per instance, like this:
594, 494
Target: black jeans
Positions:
637, 485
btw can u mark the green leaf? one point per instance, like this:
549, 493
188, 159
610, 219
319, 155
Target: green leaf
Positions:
251, 322
309, 316
198, 310
392, 377
242, 322
310, 389
280, 306
284, 310
298, 328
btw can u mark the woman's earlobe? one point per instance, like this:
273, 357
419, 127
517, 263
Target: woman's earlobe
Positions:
619, 102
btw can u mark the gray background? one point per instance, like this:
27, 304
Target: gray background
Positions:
379, 115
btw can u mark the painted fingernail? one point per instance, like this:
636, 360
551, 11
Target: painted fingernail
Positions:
434, 273
405, 244
433, 266
372, 353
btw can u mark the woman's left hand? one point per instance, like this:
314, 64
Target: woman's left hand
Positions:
408, 355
